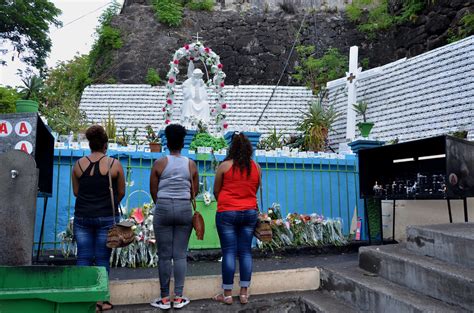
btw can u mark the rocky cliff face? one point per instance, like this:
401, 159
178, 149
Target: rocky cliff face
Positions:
255, 45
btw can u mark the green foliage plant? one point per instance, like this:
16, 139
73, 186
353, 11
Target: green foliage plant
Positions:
465, 29
316, 123
152, 77
273, 141
32, 88
110, 126
373, 15
124, 137
361, 109
201, 5
205, 139
151, 136
25, 24
168, 12
107, 40
8, 97
65, 118
316, 72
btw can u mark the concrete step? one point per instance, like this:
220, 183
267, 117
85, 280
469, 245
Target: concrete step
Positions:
138, 291
305, 301
369, 293
452, 243
432, 277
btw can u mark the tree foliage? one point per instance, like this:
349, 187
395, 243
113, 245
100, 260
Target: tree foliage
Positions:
25, 23
8, 96
316, 72
168, 12
108, 39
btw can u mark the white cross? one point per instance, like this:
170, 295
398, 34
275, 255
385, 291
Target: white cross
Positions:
197, 37
352, 76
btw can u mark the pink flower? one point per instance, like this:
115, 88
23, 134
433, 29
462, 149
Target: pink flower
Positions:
224, 105
164, 109
176, 61
167, 121
225, 125
220, 66
222, 85
171, 80
186, 47
191, 58
207, 50
212, 111
137, 215
169, 101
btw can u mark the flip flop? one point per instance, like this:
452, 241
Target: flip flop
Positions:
244, 299
223, 299
109, 304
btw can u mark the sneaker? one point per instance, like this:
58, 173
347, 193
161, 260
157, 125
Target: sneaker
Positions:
180, 302
162, 303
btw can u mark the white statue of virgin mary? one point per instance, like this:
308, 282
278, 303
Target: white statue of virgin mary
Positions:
195, 100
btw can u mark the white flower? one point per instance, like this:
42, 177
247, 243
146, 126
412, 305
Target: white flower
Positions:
207, 198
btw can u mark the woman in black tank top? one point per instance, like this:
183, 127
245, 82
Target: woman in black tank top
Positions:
93, 215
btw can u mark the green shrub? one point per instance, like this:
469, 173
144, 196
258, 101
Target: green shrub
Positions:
152, 77
201, 5
169, 12
8, 97
207, 140
465, 29
316, 72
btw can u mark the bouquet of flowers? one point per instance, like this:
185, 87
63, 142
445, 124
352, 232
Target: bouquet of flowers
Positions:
142, 252
68, 244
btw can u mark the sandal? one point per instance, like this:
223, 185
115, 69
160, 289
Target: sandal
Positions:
223, 299
99, 307
244, 299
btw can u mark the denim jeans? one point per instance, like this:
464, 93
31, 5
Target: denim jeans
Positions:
172, 223
91, 238
235, 229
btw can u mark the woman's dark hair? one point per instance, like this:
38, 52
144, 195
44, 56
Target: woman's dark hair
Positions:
175, 134
240, 152
97, 137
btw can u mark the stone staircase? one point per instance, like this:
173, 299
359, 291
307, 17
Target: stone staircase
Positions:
432, 272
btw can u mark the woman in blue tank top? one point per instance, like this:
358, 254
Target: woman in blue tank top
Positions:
170, 187
93, 214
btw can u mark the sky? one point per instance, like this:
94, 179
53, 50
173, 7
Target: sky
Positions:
79, 19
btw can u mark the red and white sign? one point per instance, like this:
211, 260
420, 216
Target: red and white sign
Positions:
5, 128
25, 146
23, 128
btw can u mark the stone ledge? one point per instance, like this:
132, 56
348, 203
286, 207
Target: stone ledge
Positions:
204, 287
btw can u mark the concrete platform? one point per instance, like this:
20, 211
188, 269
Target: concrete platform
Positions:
436, 278
452, 243
271, 275
371, 293
307, 301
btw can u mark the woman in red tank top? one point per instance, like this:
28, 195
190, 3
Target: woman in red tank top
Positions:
235, 188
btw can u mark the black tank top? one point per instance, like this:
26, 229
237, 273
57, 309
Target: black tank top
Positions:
93, 198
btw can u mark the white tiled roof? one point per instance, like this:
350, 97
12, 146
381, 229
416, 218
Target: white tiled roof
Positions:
423, 96
140, 105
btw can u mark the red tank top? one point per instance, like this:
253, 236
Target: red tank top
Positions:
238, 192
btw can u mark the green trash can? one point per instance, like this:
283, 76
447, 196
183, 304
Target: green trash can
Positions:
55, 289
211, 238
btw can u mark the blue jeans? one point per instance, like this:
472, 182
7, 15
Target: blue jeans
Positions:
91, 238
235, 229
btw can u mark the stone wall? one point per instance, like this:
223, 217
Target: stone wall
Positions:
254, 45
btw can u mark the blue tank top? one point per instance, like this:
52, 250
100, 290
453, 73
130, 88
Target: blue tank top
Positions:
175, 180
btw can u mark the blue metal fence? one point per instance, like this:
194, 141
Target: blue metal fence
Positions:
328, 187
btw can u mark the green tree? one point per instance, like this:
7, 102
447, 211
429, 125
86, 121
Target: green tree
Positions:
152, 77
108, 39
62, 92
8, 96
316, 72
25, 23
66, 81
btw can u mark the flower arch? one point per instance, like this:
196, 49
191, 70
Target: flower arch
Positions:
197, 51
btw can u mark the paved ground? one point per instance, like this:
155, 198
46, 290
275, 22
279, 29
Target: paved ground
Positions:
260, 265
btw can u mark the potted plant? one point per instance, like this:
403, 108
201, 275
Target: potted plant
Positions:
152, 139
364, 127
316, 124
110, 127
29, 94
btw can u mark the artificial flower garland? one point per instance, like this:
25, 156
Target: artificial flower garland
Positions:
197, 51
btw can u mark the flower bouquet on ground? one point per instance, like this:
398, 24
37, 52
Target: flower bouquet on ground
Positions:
142, 252
68, 244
